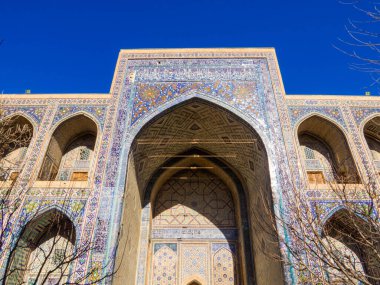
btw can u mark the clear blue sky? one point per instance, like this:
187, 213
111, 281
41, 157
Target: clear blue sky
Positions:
72, 46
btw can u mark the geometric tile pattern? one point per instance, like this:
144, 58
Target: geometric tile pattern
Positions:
320, 154
195, 262
199, 124
148, 95
64, 111
194, 199
223, 267
360, 113
34, 112
333, 112
164, 266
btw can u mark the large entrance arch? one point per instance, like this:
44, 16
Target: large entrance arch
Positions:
201, 140
196, 231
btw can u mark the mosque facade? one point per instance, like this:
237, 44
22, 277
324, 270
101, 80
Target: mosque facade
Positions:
164, 175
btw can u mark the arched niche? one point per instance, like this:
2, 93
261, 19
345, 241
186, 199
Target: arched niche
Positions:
212, 137
70, 150
43, 252
372, 137
195, 208
351, 240
326, 153
16, 133
194, 282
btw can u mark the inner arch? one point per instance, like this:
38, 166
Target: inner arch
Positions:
194, 211
226, 140
199, 198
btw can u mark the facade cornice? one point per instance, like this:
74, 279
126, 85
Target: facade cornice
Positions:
332, 97
56, 96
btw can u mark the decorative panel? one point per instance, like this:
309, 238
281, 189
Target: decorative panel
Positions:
223, 270
194, 209
164, 269
194, 198
150, 95
194, 262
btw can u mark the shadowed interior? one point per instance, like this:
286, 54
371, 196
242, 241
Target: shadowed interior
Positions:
222, 136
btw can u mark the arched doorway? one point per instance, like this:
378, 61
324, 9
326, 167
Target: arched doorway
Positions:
353, 244
372, 136
220, 146
44, 251
194, 229
194, 283
70, 151
16, 135
325, 152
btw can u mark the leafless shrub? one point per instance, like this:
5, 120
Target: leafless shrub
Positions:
341, 249
363, 41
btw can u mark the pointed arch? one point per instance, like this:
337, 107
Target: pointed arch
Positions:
193, 96
224, 271
351, 240
194, 282
29, 119
194, 279
325, 151
16, 133
63, 119
371, 132
64, 211
250, 124
168, 273
45, 241
226, 136
70, 150
330, 214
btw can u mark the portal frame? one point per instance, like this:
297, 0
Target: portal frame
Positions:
228, 176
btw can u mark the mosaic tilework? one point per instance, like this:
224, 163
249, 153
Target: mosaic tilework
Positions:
351, 260
19, 188
234, 81
326, 194
152, 95
194, 233
360, 113
164, 269
203, 206
195, 262
229, 246
98, 112
101, 235
326, 208
75, 209
73, 193
146, 84
297, 114
266, 105
235, 70
34, 112
223, 268
181, 204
